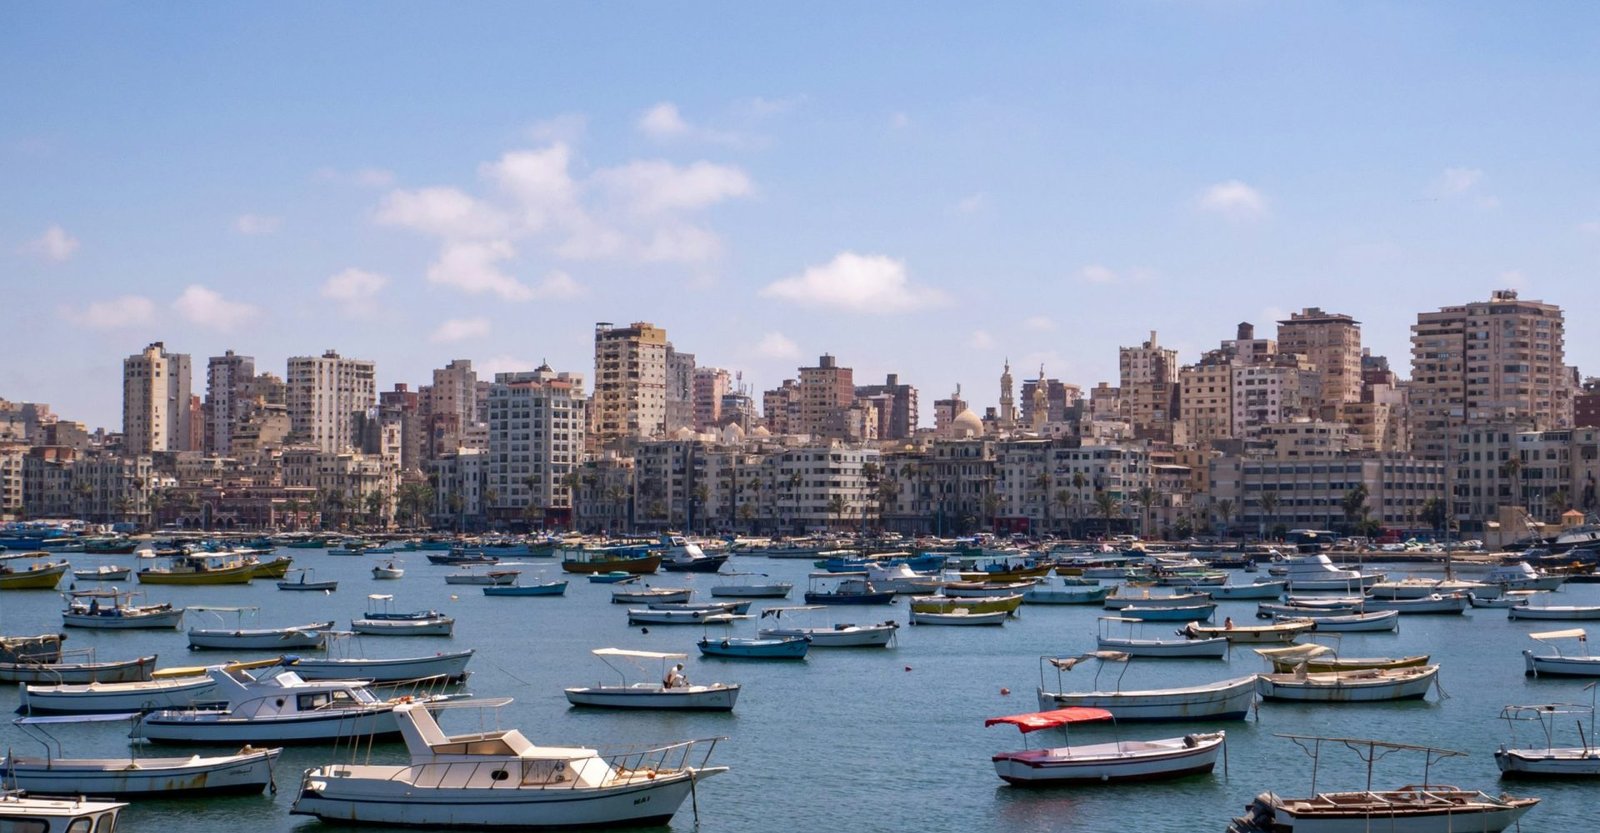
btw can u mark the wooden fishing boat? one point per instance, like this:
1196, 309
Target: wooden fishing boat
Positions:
1365, 686
1548, 761
1557, 663
959, 616
40, 575
1229, 699
1160, 648
547, 588
1321, 659
199, 569
1280, 632
1100, 763
947, 604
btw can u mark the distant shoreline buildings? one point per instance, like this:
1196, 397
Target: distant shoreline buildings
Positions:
1491, 431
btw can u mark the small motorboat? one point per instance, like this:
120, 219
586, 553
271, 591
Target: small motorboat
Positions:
1007, 604
613, 577
1435, 603
734, 647
1059, 593
255, 639
841, 635
460, 781
1119, 600
391, 570
1510, 598
646, 616
110, 698
1280, 632
544, 588
1561, 613
304, 583
1170, 613
58, 815
1100, 763
1548, 761
1321, 658
1386, 620
488, 578
959, 616
1264, 589
736, 608
1558, 664
1228, 699
649, 595
647, 694
1367, 686
845, 589
104, 572
446, 665
1139, 646
749, 588
387, 622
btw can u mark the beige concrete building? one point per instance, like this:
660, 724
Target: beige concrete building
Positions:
324, 393
710, 385
451, 406
536, 438
1487, 361
1305, 439
1149, 384
826, 390
156, 396
229, 381
630, 382
1331, 342
1205, 401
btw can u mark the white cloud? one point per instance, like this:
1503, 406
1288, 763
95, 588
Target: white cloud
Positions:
1513, 279
472, 267
355, 289
502, 363
1095, 273
55, 244
558, 286
567, 128
460, 329
777, 346
972, 204
682, 244
363, 177
1234, 200
127, 311
444, 212
663, 122
540, 183
206, 307
1038, 323
858, 283
654, 186
1457, 181
980, 340
256, 224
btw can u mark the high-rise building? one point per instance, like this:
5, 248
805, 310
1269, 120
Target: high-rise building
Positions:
826, 390
1331, 342
324, 393
1149, 386
1047, 401
630, 381
156, 400
1487, 361
680, 390
229, 379
452, 407
406, 407
899, 420
780, 407
536, 436
710, 385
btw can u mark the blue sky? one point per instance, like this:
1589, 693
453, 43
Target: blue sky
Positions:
917, 188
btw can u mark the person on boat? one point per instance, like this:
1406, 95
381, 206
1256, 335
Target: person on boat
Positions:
674, 677
1227, 623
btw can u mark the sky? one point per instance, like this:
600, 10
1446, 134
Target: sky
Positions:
926, 189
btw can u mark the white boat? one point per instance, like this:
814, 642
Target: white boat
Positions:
1120, 600
959, 616
104, 572
247, 773
387, 622
110, 609
390, 570
256, 639
748, 588
450, 666
646, 616
493, 578
1321, 658
58, 815
1222, 700
1317, 572
648, 694
1508, 599
1411, 809
1265, 589
1366, 686
1134, 646
1522, 576
841, 635
460, 781
1558, 664
1098, 763
1386, 620
273, 705
901, 579
1272, 610
1548, 761
1251, 634
1435, 603
107, 698
1045, 592
646, 595
1558, 613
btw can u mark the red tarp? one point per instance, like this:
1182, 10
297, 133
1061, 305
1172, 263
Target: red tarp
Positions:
1050, 719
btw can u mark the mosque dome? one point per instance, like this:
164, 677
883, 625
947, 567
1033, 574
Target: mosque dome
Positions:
966, 424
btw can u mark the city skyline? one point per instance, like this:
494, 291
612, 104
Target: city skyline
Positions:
1046, 192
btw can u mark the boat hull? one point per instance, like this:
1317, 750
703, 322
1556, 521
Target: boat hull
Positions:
1564, 613
1349, 686
853, 636
228, 575
1065, 595
113, 621
403, 627
1570, 762
773, 648
1216, 648
245, 774
553, 589
308, 636
849, 598
635, 566
1225, 700
753, 591
215, 727
396, 795
1393, 818
452, 666
112, 698
1192, 613
1559, 666
959, 617
718, 698
1264, 590
1155, 760
44, 578
129, 671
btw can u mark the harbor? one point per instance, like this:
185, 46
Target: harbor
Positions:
845, 737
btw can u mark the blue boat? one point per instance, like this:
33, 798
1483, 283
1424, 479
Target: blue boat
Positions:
549, 588
613, 577
733, 647
928, 562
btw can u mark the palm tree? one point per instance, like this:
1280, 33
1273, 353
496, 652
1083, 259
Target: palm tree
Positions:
702, 494
1225, 509
1063, 500
1041, 484
1078, 482
1146, 498
991, 508
836, 507
1511, 469
1560, 501
1354, 505
1269, 506
374, 506
1107, 505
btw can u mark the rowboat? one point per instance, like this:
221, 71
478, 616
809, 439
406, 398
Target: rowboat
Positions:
246, 773
1268, 589
613, 577
1368, 686
1222, 700
104, 572
1411, 809
255, 639
981, 589
738, 608
1436, 603
390, 570
734, 647
842, 635
1321, 658
107, 698
646, 616
945, 604
1097, 763
650, 695
651, 594
546, 588
460, 781
1563, 613
1386, 620
1170, 613
41, 575
447, 665
1215, 648
1558, 664
309, 586
492, 577
1117, 601
959, 616
1272, 610
749, 589
1280, 632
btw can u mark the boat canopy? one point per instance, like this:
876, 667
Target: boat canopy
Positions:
1570, 633
622, 652
1067, 663
1294, 652
1051, 719
381, 597
225, 609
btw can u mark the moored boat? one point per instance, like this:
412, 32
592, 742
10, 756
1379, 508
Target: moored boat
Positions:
104, 572
199, 569
1280, 632
681, 696
959, 616
1557, 663
1365, 686
42, 574
1134, 645
110, 609
1229, 699
59, 815
1098, 763
1321, 658
107, 698
1548, 761
841, 635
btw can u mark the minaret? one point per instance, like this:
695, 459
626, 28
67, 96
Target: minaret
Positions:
1008, 405
1041, 402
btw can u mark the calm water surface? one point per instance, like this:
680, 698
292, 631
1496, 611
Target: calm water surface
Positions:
857, 740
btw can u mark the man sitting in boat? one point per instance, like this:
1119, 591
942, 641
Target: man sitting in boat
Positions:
674, 677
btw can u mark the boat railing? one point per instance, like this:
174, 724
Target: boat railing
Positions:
625, 764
